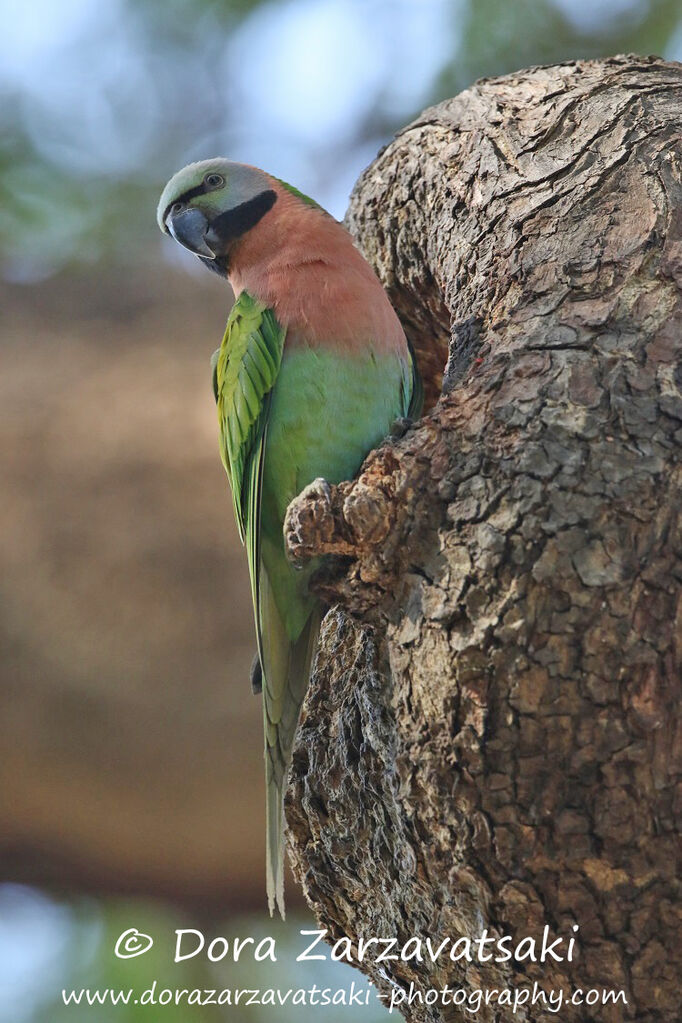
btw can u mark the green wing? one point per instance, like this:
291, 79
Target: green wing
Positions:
244, 372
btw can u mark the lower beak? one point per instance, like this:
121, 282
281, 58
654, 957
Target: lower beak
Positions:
189, 228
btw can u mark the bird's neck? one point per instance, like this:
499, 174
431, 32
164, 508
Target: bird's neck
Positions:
303, 264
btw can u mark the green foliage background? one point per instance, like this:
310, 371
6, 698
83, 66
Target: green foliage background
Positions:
126, 93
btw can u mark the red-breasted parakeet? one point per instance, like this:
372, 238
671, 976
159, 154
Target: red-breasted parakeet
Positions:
312, 372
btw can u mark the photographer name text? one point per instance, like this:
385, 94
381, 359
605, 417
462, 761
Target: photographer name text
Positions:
484, 948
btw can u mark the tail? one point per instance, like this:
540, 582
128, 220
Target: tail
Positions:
286, 671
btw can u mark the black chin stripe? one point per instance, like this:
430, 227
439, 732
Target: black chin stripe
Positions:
218, 266
234, 223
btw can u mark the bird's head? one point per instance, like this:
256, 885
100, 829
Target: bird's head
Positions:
208, 205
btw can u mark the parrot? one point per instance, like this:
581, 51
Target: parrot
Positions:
313, 372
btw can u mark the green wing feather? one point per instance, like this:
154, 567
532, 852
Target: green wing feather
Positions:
244, 372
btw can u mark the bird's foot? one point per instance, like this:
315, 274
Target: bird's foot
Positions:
400, 426
256, 676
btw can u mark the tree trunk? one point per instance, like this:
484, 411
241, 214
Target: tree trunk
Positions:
491, 739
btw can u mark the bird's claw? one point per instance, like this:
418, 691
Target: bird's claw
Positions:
400, 426
256, 676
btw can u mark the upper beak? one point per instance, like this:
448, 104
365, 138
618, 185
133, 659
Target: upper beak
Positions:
189, 227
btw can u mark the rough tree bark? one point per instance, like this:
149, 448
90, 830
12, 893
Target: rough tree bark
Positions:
492, 735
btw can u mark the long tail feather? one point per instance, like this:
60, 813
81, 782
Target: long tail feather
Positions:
286, 671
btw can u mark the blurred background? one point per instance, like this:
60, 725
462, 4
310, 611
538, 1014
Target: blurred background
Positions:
130, 744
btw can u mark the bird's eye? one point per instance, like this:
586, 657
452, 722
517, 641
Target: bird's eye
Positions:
214, 180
